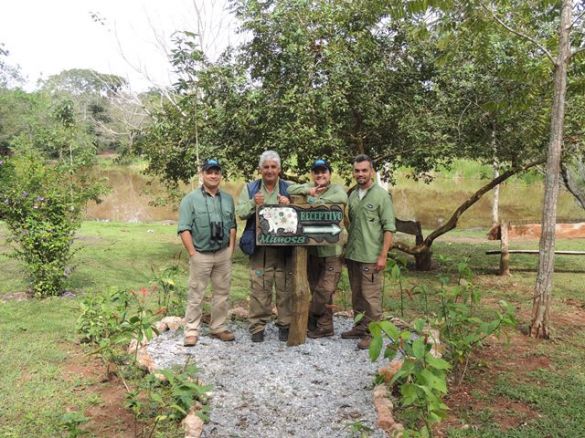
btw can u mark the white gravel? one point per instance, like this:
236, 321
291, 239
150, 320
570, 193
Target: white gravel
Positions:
319, 389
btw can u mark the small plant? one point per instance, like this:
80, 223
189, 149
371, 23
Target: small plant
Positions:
462, 327
170, 296
167, 401
71, 421
422, 379
359, 429
395, 269
114, 318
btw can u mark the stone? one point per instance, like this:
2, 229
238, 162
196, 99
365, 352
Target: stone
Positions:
345, 314
173, 322
192, 425
161, 326
384, 407
145, 361
238, 313
389, 371
134, 344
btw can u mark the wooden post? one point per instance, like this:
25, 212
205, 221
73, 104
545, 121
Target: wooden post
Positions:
505, 255
300, 299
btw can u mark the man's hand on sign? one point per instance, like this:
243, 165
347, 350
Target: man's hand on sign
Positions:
283, 200
317, 190
259, 198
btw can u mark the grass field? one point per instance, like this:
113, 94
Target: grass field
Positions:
530, 388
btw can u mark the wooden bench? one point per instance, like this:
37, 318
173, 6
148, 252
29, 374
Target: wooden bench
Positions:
529, 231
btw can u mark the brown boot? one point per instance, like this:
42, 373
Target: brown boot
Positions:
190, 341
356, 332
224, 336
364, 342
321, 332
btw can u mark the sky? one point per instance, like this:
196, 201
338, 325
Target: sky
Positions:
129, 38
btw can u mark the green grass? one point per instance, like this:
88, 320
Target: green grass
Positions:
38, 337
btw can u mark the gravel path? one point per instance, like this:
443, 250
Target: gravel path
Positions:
318, 389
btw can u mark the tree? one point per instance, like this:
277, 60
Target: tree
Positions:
544, 26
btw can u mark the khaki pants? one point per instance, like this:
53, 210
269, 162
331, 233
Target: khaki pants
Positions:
324, 274
270, 267
204, 267
366, 291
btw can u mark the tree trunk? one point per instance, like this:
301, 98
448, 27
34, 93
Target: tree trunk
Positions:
496, 166
539, 326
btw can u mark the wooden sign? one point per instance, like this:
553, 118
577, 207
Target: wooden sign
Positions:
298, 225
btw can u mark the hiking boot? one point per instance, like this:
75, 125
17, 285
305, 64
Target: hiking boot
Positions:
320, 332
224, 336
364, 342
283, 334
190, 341
312, 322
258, 336
354, 333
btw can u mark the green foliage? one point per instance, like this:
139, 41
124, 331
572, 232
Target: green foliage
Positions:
42, 205
422, 379
154, 401
114, 318
70, 423
170, 296
462, 328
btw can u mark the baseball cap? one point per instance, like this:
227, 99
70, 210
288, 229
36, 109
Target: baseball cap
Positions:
321, 164
210, 163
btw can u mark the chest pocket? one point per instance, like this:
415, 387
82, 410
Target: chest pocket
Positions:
371, 213
201, 219
228, 216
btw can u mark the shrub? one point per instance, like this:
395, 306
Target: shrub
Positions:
41, 204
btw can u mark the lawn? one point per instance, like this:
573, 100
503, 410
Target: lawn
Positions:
522, 389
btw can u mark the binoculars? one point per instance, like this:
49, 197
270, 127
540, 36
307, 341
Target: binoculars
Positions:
216, 231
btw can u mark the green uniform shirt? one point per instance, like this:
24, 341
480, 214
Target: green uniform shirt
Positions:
199, 210
247, 207
369, 218
335, 194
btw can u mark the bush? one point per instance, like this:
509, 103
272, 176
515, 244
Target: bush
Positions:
42, 205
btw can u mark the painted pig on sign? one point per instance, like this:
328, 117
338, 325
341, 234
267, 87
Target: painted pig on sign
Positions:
280, 218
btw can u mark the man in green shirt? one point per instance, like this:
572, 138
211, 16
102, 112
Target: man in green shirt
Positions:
372, 222
324, 262
207, 227
270, 266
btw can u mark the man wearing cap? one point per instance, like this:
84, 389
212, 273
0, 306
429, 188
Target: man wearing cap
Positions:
207, 228
371, 217
270, 266
324, 262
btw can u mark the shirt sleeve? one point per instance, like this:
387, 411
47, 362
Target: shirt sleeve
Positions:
185, 216
298, 189
233, 224
246, 206
387, 217
336, 195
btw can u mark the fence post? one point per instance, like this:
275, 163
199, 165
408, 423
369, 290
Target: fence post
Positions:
505, 255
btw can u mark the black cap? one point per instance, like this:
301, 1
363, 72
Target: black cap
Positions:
210, 163
321, 164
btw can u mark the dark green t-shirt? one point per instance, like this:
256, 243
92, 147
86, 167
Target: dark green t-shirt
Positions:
198, 213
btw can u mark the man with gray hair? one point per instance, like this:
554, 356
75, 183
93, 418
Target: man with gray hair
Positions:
269, 266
